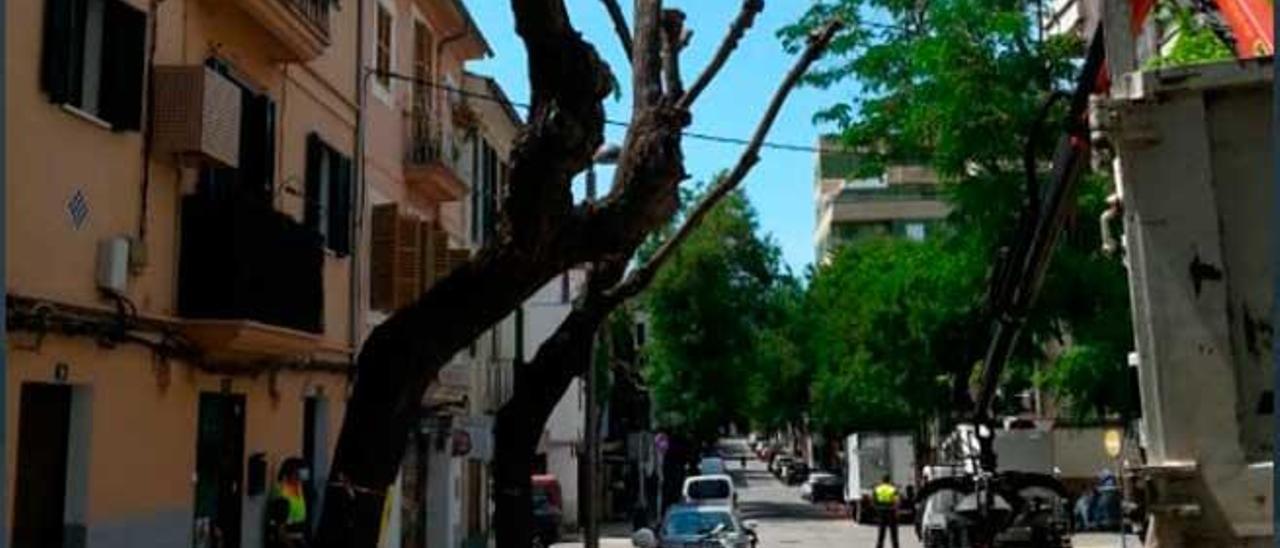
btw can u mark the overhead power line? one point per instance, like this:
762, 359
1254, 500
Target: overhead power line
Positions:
619, 123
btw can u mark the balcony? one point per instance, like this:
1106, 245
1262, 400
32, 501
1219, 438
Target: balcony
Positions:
250, 279
301, 26
428, 167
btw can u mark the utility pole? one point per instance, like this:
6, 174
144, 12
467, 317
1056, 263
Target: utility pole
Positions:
607, 154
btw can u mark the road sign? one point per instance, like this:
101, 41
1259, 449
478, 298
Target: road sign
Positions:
1111, 440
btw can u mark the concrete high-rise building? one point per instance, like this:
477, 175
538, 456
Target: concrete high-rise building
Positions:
904, 201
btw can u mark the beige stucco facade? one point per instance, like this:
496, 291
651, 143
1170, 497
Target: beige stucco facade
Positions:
132, 472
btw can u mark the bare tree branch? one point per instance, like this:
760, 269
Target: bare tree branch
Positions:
674, 38
639, 278
619, 25
746, 17
646, 58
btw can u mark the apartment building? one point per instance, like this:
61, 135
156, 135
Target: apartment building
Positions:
904, 201
180, 276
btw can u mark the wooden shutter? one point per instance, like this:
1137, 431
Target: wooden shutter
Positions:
62, 53
382, 256
408, 278
437, 246
311, 214
340, 205
124, 39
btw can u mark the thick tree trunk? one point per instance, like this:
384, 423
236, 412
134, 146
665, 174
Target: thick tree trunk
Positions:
539, 386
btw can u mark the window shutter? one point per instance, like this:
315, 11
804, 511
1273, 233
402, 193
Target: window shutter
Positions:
311, 214
340, 205
440, 260
457, 258
408, 267
124, 42
257, 145
382, 257
62, 49
426, 231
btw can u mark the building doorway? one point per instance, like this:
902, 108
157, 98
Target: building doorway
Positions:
44, 427
219, 470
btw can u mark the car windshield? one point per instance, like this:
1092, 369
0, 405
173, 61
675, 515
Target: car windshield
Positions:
709, 489
686, 524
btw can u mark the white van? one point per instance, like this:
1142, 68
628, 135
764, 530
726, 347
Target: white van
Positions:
710, 489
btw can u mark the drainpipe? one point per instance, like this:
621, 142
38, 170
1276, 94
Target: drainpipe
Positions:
357, 220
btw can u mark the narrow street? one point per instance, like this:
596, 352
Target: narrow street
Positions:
788, 520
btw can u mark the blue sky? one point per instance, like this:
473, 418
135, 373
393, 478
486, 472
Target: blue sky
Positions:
781, 184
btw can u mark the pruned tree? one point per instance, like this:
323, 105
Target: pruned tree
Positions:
543, 232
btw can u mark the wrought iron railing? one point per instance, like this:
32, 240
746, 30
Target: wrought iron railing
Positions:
315, 12
424, 141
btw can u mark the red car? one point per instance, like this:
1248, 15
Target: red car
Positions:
548, 509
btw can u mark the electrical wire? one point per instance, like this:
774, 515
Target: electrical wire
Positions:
618, 123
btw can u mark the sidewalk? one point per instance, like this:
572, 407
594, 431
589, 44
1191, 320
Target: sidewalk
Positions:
1103, 540
613, 534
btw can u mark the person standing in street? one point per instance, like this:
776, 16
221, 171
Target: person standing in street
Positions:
885, 496
287, 508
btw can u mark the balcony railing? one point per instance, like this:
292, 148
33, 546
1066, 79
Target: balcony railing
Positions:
301, 26
243, 260
315, 12
428, 163
425, 143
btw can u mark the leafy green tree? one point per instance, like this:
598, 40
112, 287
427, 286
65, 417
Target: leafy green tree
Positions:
716, 323
960, 86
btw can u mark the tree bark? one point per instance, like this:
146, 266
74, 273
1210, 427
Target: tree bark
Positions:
539, 386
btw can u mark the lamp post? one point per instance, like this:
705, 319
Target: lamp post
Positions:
607, 154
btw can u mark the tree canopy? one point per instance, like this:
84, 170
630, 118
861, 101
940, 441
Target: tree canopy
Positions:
718, 313
959, 86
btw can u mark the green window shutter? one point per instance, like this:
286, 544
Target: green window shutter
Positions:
62, 51
340, 204
311, 214
123, 64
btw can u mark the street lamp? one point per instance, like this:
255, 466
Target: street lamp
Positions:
607, 154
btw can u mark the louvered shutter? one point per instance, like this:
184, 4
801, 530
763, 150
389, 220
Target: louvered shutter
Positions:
62, 53
382, 257
440, 260
408, 267
124, 40
312, 214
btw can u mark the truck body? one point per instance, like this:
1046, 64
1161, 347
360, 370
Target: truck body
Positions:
869, 456
1194, 168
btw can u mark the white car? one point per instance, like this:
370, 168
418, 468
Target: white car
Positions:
711, 466
710, 489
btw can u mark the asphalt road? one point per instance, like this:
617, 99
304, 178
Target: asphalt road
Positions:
788, 520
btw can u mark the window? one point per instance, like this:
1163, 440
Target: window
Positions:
93, 59
255, 176
328, 210
423, 71
915, 231
383, 47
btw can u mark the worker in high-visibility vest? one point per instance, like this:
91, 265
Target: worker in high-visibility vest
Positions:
885, 497
287, 508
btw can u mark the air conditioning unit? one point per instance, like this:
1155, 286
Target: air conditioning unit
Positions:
197, 115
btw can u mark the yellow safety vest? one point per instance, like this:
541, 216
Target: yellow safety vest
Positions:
297, 504
885, 494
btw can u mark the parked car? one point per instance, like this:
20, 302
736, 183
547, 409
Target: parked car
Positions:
796, 473
710, 489
699, 525
779, 464
711, 465
548, 510
822, 487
